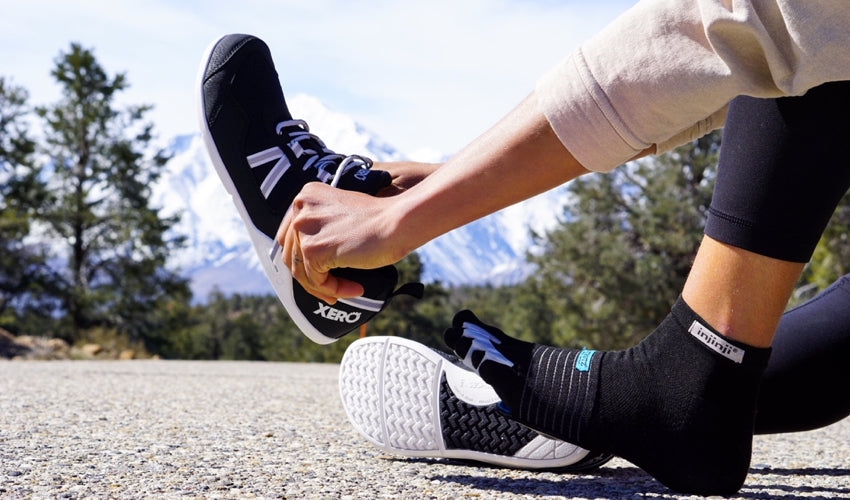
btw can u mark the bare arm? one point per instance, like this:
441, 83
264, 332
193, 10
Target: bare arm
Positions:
518, 158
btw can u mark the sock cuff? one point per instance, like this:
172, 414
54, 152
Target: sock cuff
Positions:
700, 331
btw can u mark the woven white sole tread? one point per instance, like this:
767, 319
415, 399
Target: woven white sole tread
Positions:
413, 401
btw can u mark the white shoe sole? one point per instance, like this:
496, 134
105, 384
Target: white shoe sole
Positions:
409, 400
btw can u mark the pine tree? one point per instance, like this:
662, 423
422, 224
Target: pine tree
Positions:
24, 276
422, 320
612, 270
101, 170
831, 258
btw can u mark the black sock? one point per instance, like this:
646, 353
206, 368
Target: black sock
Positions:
680, 404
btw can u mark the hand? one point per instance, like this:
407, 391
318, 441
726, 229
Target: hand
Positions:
328, 228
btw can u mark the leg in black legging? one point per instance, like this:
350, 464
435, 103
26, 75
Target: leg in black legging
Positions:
805, 385
782, 172
682, 403
783, 169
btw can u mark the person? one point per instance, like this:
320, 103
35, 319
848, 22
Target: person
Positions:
602, 106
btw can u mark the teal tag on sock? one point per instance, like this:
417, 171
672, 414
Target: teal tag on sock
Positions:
583, 360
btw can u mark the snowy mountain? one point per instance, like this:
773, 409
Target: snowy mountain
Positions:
219, 254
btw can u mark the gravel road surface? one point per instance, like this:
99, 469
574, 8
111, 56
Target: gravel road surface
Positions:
175, 429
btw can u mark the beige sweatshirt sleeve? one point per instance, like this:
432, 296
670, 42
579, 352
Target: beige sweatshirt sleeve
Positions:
664, 72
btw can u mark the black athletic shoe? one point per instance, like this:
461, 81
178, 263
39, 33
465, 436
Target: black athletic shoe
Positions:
263, 156
414, 401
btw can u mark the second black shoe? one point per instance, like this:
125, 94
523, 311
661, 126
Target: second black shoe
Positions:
264, 156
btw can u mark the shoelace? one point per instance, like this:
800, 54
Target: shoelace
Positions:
299, 131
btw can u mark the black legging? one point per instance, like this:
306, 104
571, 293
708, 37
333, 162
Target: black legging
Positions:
783, 169
807, 381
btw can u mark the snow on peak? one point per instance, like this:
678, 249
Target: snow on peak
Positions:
339, 131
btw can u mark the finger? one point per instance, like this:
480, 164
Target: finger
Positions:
328, 285
284, 227
342, 288
287, 245
292, 259
318, 292
298, 267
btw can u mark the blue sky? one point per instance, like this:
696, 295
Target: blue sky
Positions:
421, 74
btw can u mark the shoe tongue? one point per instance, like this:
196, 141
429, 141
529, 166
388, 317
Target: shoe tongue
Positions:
365, 180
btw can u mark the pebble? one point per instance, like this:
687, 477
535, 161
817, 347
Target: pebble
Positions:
220, 430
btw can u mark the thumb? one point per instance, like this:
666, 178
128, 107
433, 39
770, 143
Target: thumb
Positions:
341, 288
